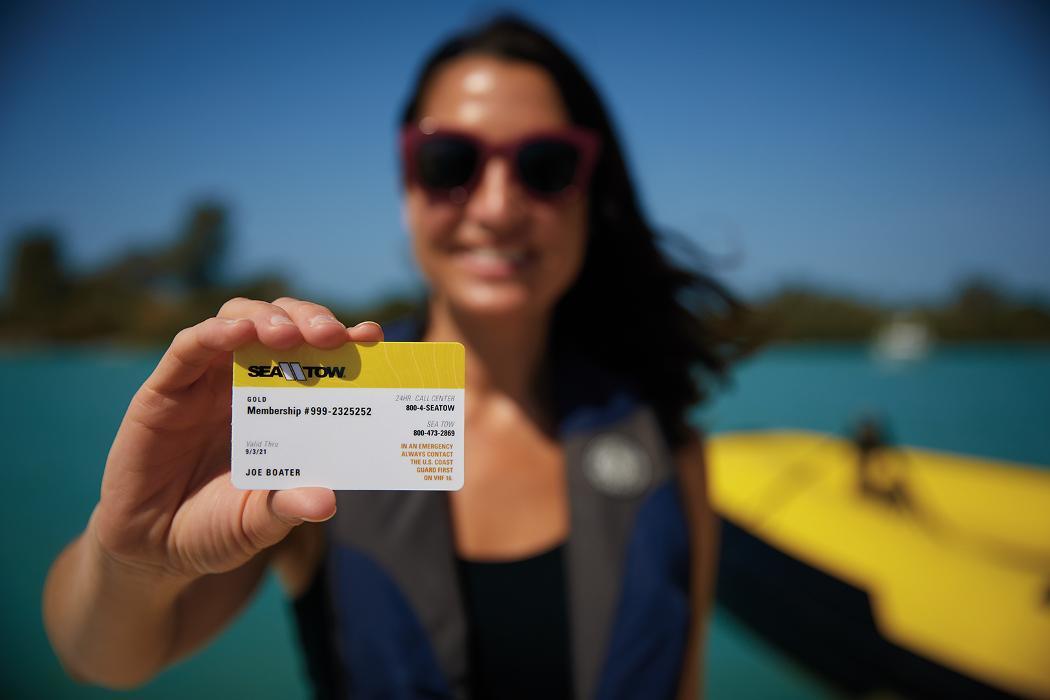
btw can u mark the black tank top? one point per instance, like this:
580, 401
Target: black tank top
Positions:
519, 629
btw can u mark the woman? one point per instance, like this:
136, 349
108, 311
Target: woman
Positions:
577, 559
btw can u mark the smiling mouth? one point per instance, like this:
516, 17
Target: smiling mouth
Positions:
487, 261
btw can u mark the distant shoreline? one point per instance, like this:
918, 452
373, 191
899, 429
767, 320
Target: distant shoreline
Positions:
142, 298
156, 348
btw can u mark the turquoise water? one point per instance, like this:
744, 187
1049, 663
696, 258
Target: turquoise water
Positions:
61, 408
987, 400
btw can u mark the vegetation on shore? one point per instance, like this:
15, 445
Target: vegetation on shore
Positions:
146, 296
978, 311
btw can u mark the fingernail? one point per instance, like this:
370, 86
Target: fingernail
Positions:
233, 321
323, 319
371, 323
279, 320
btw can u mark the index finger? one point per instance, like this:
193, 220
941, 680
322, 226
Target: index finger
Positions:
317, 323
365, 332
194, 349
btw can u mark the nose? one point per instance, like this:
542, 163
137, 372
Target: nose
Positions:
497, 201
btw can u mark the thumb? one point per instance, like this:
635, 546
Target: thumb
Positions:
268, 520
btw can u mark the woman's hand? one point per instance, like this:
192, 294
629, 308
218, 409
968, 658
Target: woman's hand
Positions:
167, 505
171, 551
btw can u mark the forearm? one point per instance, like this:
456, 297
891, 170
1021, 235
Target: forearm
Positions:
703, 557
109, 623
114, 625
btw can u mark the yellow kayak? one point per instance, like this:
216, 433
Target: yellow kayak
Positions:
933, 578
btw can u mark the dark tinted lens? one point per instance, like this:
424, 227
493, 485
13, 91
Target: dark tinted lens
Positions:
445, 162
548, 166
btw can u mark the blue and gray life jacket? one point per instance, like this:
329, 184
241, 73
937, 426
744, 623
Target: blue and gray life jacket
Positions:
396, 617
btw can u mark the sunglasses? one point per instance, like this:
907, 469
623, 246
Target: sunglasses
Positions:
548, 165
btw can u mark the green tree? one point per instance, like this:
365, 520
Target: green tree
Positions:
196, 259
38, 285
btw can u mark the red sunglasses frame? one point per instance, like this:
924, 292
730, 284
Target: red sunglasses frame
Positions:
586, 141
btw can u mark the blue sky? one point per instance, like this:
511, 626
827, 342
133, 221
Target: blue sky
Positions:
888, 149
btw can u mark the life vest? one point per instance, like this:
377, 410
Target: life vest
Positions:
398, 623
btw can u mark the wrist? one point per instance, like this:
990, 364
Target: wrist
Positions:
115, 572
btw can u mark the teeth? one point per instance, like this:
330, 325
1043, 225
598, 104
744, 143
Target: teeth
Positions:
513, 256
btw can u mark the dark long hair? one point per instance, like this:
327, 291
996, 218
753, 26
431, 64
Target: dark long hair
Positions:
666, 329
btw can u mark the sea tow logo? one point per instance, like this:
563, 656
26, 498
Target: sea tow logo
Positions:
295, 372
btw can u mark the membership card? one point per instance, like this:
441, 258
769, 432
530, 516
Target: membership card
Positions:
368, 416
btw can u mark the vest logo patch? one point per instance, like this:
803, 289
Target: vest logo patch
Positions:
617, 465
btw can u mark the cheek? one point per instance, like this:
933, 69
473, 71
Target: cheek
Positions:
430, 225
567, 246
